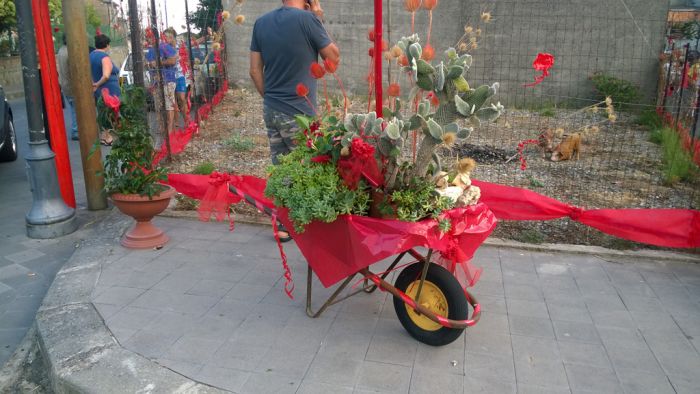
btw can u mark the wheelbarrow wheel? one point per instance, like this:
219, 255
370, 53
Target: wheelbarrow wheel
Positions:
441, 293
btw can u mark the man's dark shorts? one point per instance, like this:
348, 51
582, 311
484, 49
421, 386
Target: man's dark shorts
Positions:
281, 129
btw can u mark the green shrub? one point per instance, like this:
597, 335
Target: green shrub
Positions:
678, 163
650, 119
238, 143
205, 168
622, 92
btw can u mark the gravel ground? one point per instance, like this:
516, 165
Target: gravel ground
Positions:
618, 167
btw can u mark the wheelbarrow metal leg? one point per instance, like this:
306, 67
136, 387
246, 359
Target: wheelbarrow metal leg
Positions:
424, 273
331, 300
371, 288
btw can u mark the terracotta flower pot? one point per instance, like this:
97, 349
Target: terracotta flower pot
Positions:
144, 235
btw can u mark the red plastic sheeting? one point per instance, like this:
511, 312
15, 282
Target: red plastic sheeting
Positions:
340, 249
672, 228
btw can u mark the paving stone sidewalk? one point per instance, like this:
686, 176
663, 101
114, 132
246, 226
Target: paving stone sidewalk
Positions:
211, 306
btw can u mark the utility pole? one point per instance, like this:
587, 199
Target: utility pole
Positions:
161, 83
136, 49
49, 216
81, 84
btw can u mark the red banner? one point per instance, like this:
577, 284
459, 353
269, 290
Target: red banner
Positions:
671, 228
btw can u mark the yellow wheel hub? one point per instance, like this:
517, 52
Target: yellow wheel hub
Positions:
432, 298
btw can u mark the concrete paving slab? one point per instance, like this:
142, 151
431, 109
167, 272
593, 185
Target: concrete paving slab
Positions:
220, 319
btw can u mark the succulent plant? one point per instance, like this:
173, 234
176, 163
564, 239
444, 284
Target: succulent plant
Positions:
456, 99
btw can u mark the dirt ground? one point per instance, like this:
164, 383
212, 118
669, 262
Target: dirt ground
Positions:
618, 166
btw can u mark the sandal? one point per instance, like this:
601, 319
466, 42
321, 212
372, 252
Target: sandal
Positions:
283, 230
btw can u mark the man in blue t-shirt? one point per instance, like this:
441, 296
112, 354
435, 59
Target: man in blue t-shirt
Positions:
168, 61
285, 43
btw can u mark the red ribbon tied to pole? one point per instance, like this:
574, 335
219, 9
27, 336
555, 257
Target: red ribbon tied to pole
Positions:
543, 62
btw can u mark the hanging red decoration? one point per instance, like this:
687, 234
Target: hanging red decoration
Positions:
428, 53
302, 90
543, 62
317, 71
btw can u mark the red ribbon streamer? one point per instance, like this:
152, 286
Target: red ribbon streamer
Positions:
671, 228
543, 62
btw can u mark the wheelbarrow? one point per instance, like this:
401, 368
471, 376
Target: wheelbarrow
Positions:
429, 301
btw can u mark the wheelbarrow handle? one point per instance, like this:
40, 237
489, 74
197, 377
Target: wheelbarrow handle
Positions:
443, 321
250, 200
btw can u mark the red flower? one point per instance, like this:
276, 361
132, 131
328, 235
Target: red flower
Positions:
321, 159
434, 100
403, 60
371, 52
330, 66
317, 71
394, 90
370, 34
302, 90
361, 149
56, 29
428, 53
411, 5
111, 102
430, 4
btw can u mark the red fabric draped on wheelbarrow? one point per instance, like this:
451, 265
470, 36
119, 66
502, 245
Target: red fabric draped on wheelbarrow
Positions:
351, 243
672, 228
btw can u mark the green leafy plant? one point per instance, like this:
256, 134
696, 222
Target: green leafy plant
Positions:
239, 143
622, 92
312, 191
547, 111
128, 167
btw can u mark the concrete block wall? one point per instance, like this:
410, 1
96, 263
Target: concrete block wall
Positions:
11, 76
620, 38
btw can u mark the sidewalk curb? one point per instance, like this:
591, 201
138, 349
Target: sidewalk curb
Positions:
81, 354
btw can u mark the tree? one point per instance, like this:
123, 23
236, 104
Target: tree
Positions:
206, 14
8, 20
7, 15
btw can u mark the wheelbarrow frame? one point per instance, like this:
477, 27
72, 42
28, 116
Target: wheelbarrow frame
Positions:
378, 281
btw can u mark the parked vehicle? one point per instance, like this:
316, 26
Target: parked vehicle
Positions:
8, 136
126, 72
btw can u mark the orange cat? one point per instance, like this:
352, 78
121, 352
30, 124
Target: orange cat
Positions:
546, 142
569, 147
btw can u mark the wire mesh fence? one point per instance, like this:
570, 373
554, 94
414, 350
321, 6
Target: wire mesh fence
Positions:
601, 49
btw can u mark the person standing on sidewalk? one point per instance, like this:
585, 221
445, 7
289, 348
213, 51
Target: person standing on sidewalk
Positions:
285, 43
104, 76
64, 81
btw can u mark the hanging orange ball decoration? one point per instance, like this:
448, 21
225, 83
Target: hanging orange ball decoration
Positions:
411, 5
430, 4
428, 53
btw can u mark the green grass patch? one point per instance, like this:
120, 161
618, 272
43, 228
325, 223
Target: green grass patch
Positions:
548, 112
205, 168
650, 119
238, 143
678, 163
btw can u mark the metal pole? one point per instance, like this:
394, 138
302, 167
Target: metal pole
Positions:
161, 83
388, 33
49, 216
136, 49
668, 76
683, 79
52, 99
378, 55
84, 101
192, 69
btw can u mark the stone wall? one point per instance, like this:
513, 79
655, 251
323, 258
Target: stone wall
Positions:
620, 38
11, 76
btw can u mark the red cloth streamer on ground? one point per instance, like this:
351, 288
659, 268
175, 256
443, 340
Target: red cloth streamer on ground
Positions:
672, 228
543, 62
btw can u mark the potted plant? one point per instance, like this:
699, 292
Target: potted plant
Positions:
132, 181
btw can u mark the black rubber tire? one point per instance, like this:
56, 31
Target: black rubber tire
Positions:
9, 149
458, 307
